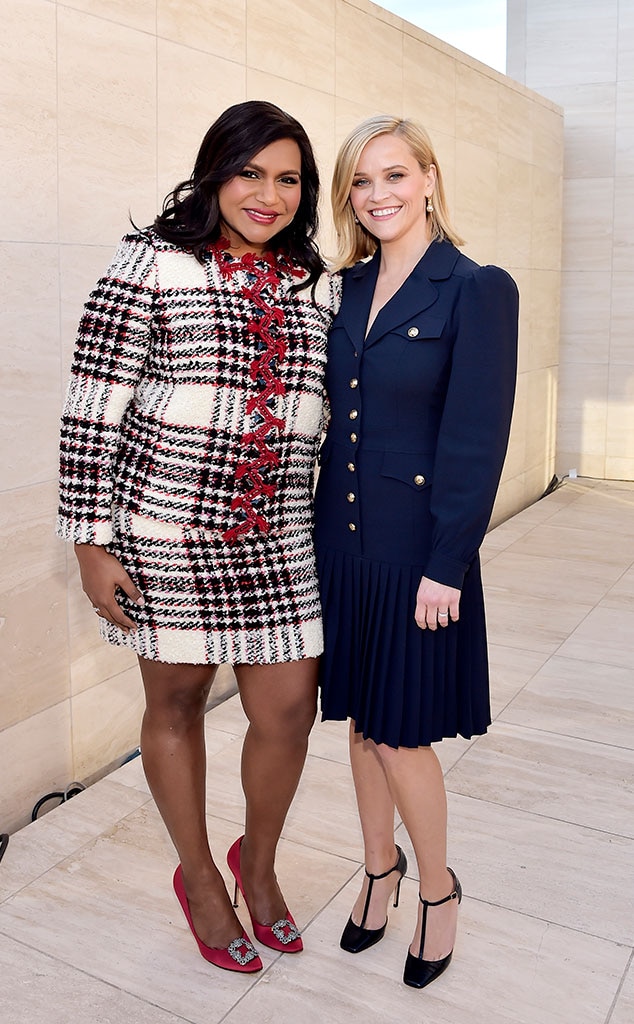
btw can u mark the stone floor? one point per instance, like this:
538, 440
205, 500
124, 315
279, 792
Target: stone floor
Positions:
541, 833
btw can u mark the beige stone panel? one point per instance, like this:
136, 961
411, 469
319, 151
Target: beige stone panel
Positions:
106, 721
293, 39
589, 119
516, 39
92, 660
514, 211
624, 120
588, 221
623, 258
581, 421
537, 479
80, 267
348, 114
548, 138
523, 280
620, 412
546, 237
28, 204
619, 469
585, 316
141, 14
315, 110
33, 626
194, 88
510, 498
31, 391
475, 202
388, 18
622, 325
209, 25
361, 47
544, 336
541, 421
625, 65
570, 43
515, 133
586, 465
476, 107
515, 461
107, 127
429, 86
35, 759
445, 153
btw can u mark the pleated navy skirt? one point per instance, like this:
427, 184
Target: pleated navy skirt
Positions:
401, 685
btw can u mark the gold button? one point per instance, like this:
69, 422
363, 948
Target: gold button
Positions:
413, 332
351, 467
353, 414
354, 438
354, 383
351, 497
419, 479
352, 527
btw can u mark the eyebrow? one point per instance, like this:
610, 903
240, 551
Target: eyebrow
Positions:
258, 167
393, 167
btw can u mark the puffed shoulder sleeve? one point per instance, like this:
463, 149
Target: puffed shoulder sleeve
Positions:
328, 293
112, 345
475, 422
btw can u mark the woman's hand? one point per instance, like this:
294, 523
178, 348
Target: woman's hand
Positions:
101, 574
436, 604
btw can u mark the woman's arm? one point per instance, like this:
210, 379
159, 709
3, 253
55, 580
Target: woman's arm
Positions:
112, 345
475, 423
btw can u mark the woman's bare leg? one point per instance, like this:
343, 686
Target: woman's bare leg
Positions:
376, 811
280, 702
174, 759
416, 781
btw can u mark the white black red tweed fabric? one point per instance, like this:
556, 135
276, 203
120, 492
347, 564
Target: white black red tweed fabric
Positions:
189, 437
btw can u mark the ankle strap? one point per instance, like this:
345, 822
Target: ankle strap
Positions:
455, 893
375, 878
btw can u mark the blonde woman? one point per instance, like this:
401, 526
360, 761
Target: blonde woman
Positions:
420, 379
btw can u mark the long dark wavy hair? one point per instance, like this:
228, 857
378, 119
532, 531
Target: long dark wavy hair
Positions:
191, 212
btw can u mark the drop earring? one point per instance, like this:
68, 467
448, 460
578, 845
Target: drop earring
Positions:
430, 205
356, 219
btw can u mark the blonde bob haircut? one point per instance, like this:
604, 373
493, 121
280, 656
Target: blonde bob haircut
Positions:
354, 242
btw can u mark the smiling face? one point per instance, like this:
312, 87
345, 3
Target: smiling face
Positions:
262, 199
390, 190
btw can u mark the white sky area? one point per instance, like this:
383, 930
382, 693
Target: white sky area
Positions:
477, 27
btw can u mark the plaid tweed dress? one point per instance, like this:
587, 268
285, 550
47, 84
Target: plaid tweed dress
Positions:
189, 436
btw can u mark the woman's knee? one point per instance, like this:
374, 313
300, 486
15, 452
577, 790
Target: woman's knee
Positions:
177, 692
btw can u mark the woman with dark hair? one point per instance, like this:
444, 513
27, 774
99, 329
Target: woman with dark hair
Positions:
189, 435
421, 378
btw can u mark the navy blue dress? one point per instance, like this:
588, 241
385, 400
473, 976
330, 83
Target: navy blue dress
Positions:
420, 417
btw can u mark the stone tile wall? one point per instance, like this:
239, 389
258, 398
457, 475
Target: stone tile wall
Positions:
104, 105
581, 56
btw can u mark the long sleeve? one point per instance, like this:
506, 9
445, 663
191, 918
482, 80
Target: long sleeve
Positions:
112, 345
475, 422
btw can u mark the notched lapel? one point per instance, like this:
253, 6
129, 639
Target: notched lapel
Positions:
415, 295
418, 292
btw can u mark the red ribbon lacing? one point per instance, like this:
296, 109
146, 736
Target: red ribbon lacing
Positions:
261, 458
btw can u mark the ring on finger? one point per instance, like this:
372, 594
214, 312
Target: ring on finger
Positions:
443, 615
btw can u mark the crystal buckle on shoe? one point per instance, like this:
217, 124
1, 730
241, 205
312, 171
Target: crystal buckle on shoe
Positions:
285, 931
242, 951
